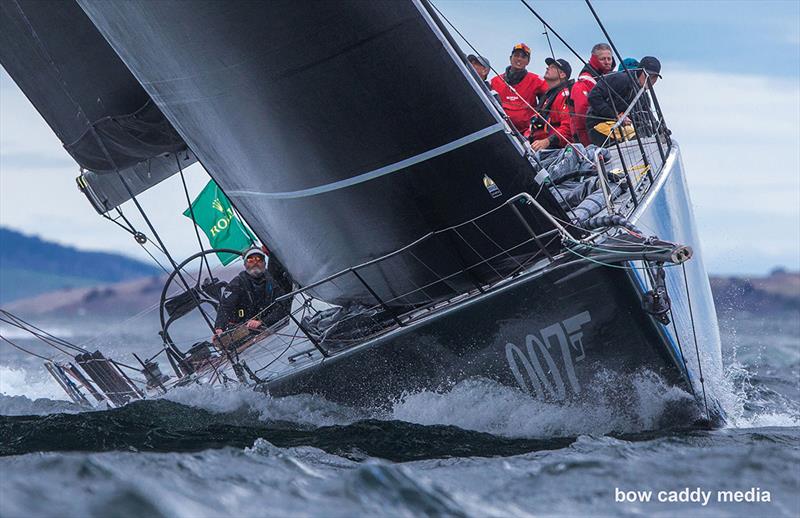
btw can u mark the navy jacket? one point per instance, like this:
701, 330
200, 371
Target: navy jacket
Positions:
245, 297
612, 95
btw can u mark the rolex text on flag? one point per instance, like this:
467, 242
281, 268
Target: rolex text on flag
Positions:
214, 214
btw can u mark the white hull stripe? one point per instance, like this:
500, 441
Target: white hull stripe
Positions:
383, 171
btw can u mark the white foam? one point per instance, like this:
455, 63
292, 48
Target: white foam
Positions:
769, 419
33, 385
487, 406
738, 396
610, 405
31, 393
302, 409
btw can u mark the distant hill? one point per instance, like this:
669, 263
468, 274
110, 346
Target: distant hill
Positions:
778, 291
117, 300
30, 266
775, 293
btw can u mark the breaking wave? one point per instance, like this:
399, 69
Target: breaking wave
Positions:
643, 403
30, 393
477, 417
481, 405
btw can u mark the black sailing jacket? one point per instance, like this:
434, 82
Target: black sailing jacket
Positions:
245, 297
612, 95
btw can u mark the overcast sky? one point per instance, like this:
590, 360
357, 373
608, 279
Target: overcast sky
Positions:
731, 95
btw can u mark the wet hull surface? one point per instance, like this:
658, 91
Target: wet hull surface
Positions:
553, 336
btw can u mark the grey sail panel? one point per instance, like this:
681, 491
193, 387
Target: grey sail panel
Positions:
340, 130
87, 95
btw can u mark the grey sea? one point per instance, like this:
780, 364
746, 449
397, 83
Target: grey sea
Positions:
477, 449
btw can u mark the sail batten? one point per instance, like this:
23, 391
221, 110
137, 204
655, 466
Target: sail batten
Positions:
365, 177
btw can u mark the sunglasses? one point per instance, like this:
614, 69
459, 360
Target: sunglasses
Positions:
524, 48
255, 259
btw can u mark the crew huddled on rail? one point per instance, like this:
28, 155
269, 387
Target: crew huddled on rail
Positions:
553, 111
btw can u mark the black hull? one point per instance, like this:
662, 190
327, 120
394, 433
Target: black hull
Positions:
548, 334
552, 333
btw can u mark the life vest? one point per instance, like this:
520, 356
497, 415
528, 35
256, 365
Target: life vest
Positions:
518, 100
555, 109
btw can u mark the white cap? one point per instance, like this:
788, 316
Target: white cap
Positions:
253, 250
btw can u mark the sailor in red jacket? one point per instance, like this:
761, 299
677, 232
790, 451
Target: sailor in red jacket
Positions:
601, 62
554, 108
519, 89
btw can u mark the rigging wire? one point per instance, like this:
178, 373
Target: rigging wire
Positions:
694, 335
549, 43
154, 258
140, 237
574, 52
41, 334
203, 258
12, 344
547, 26
622, 60
57, 348
152, 228
610, 41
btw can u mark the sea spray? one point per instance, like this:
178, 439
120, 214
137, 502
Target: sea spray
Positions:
33, 384
302, 409
483, 405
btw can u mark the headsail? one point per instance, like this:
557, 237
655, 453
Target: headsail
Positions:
89, 98
340, 130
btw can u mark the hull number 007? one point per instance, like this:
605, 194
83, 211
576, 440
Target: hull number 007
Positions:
545, 381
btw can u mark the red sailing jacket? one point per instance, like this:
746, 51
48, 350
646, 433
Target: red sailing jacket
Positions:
580, 102
557, 114
528, 89
580, 96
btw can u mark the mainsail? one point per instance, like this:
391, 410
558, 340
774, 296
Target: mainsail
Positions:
87, 95
340, 130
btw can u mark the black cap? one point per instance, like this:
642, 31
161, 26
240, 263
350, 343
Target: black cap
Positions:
561, 64
482, 61
651, 65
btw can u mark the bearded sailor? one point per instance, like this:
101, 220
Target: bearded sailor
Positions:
246, 297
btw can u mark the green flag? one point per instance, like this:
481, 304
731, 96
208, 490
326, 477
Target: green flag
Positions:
213, 213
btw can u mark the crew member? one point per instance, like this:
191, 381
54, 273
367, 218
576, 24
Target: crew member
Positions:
629, 63
611, 97
519, 89
554, 109
601, 62
246, 297
481, 66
